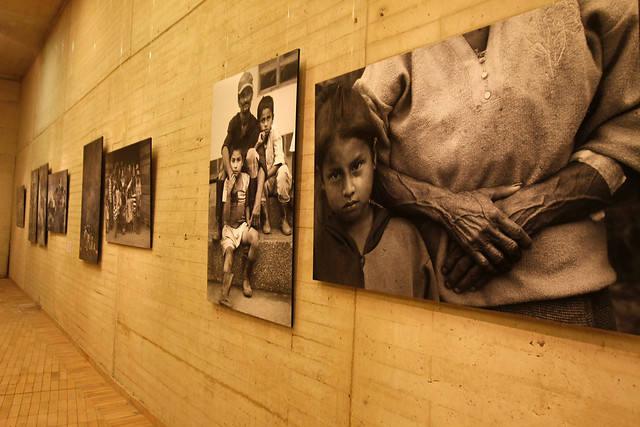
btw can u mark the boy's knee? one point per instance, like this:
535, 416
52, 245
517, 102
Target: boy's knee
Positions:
254, 239
283, 182
252, 162
228, 253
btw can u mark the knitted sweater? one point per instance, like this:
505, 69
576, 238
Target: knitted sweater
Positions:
552, 81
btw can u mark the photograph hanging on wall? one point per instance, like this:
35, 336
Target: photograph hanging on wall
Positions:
57, 202
251, 190
33, 206
41, 223
479, 171
127, 205
91, 198
20, 199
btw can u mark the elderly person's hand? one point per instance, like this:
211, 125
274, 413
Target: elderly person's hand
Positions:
487, 234
572, 193
470, 218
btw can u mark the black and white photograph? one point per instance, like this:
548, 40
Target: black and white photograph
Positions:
20, 200
57, 202
127, 200
33, 206
497, 169
251, 190
91, 202
41, 223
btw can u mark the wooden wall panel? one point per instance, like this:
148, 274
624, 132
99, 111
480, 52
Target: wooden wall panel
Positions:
49, 78
352, 357
151, 18
9, 118
99, 39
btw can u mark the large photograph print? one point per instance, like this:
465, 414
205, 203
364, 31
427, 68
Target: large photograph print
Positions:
496, 169
57, 202
251, 197
91, 201
127, 204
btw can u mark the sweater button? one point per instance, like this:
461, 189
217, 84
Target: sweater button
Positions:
487, 95
485, 74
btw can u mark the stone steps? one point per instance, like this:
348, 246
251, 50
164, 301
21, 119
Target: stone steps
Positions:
273, 269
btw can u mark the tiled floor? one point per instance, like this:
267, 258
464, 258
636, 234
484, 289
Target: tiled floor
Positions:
44, 379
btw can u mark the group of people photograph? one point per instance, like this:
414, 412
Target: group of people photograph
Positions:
251, 189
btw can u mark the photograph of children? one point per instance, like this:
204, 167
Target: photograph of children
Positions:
41, 223
251, 197
57, 202
20, 199
497, 169
127, 204
33, 206
91, 198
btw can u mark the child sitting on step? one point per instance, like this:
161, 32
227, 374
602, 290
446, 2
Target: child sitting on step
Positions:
235, 230
278, 178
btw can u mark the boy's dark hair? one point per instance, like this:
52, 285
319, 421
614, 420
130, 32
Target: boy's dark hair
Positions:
239, 150
265, 102
342, 112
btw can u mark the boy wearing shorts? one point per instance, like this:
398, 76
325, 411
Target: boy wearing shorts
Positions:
235, 230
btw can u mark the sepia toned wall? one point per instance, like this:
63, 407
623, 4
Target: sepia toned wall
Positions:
9, 117
134, 69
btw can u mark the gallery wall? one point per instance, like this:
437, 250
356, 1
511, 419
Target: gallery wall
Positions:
135, 69
9, 118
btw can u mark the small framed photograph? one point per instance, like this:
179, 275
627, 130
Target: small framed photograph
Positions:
127, 185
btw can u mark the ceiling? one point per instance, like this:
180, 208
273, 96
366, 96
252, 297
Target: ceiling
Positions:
24, 26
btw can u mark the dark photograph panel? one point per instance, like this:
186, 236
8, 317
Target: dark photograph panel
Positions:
127, 204
20, 199
251, 190
33, 206
91, 198
497, 169
57, 202
41, 224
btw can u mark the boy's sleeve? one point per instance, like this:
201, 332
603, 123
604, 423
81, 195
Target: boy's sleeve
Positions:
228, 139
278, 152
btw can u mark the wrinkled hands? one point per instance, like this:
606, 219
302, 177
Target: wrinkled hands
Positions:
486, 240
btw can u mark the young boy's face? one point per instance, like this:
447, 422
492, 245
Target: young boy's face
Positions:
244, 100
236, 162
266, 119
347, 177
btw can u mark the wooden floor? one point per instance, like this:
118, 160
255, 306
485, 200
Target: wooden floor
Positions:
44, 379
